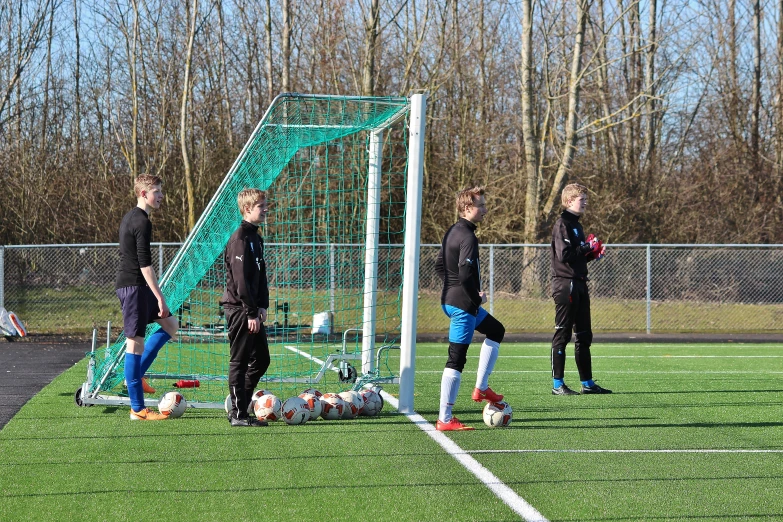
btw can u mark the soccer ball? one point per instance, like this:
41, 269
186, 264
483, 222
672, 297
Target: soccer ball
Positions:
353, 404
295, 411
173, 404
268, 408
373, 403
332, 406
497, 414
312, 391
313, 403
253, 398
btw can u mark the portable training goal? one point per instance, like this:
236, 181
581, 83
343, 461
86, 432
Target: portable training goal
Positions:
343, 177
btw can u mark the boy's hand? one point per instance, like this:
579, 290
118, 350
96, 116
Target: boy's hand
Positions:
262, 314
164, 308
597, 248
253, 324
483, 296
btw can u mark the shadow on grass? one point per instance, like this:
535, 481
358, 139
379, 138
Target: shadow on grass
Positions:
694, 392
748, 516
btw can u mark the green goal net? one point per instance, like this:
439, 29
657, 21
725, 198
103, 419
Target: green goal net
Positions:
335, 170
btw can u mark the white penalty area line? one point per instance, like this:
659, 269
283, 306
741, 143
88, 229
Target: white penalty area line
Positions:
623, 357
316, 360
503, 492
635, 372
629, 451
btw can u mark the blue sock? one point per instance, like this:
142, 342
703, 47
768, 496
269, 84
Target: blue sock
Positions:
556, 383
133, 379
589, 383
151, 348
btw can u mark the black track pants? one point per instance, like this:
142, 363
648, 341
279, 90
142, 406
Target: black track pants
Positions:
572, 313
249, 360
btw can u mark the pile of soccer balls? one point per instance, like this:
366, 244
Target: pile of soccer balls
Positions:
311, 404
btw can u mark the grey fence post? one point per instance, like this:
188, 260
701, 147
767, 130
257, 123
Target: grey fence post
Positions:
2, 276
332, 279
649, 289
492, 279
160, 260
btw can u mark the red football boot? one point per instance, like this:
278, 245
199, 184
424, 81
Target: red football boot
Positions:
486, 395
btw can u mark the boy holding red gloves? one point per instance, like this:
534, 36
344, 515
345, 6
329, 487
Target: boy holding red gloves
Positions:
571, 251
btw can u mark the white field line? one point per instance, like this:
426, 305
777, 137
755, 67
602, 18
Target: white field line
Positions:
503, 492
316, 360
630, 451
634, 372
623, 357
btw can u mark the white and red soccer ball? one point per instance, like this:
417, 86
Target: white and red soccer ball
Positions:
353, 404
373, 403
497, 414
268, 408
295, 411
172, 404
313, 403
332, 406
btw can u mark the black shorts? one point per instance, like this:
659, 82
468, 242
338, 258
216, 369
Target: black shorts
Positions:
139, 308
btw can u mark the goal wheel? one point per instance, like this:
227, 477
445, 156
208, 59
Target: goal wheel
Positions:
77, 397
349, 376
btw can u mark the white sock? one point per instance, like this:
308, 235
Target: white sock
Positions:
449, 386
487, 358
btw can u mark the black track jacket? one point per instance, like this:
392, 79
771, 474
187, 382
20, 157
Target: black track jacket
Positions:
569, 248
246, 283
458, 267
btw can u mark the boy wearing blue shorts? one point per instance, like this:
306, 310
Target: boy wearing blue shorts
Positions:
458, 266
140, 296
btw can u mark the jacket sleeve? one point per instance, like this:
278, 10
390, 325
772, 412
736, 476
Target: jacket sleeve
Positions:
564, 249
468, 265
439, 268
263, 290
242, 265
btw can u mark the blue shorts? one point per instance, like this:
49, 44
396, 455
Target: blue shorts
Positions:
462, 323
139, 308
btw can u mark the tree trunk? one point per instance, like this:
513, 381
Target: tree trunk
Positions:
183, 122
77, 116
270, 91
756, 94
370, 42
227, 115
286, 46
573, 107
649, 80
528, 125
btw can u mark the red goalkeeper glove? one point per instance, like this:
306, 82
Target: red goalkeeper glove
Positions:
597, 249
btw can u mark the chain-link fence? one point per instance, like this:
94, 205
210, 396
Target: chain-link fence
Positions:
635, 288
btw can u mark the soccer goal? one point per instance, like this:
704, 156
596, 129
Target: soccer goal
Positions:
343, 177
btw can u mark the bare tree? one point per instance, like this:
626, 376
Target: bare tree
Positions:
30, 35
183, 121
370, 43
574, 87
287, 29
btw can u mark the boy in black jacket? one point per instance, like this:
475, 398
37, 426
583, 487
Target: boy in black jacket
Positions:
245, 302
458, 267
571, 251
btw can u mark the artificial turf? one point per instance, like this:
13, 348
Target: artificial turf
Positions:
638, 454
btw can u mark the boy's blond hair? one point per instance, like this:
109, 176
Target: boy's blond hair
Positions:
248, 197
466, 198
145, 182
571, 192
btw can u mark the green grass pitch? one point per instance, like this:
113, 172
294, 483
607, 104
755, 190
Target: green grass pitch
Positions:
692, 432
